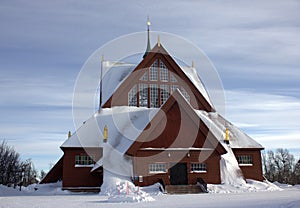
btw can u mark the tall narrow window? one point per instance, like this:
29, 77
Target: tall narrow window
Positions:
153, 96
164, 74
143, 98
164, 93
132, 96
154, 71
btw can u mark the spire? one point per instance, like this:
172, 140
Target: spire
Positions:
158, 41
148, 34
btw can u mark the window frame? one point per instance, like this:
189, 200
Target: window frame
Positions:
132, 96
202, 167
83, 160
245, 160
157, 167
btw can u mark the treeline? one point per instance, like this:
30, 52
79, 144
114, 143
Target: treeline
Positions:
14, 171
281, 166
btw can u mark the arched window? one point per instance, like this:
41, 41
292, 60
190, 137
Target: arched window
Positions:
154, 87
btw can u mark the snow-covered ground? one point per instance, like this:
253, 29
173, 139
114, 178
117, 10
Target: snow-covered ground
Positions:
256, 195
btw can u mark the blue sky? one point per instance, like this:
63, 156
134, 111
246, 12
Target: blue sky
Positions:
254, 45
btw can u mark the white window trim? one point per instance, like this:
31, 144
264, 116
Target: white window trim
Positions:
84, 166
158, 172
245, 164
199, 171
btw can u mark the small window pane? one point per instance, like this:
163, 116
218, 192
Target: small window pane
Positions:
153, 96
164, 93
245, 159
144, 77
164, 74
143, 99
173, 88
154, 71
132, 96
84, 160
158, 168
172, 78
198, 167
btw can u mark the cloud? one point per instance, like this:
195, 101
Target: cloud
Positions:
43, 45
271, 119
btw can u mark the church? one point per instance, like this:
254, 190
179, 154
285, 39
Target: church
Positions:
157, 124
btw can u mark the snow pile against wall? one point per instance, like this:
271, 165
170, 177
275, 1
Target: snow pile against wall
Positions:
121, 189
230, 170
250, 186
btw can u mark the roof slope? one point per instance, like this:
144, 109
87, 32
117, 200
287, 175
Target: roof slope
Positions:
187, 74
218, 125
124, 125
146, 142
115, 74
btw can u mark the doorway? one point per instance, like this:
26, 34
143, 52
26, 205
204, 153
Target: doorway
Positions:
178, 174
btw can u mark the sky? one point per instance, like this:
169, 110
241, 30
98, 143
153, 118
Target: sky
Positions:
254, 46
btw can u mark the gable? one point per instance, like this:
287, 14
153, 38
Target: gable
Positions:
176, 125
157, 75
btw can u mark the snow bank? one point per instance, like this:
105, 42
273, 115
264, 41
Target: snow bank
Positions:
250, 186
34, 189
121, 189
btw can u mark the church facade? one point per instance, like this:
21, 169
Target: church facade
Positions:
180, 140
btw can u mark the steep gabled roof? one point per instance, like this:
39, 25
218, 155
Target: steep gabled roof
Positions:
124, 125
177, 99
188, 75
237, 138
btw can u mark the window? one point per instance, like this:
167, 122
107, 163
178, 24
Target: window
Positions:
132, 99
172, 78
198, 167
144, 77
143, 99
173, 88
164, 75
158, 168
83, 160
185, 94
153, 96
244, 160
154, 71
164, 93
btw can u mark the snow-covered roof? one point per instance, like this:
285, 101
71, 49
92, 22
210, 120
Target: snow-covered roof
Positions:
124, 125
115, 74
217, 125
192, 74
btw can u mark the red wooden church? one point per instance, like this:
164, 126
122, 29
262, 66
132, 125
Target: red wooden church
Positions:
157, 125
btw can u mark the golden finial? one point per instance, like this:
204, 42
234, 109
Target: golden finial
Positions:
102, 58
158, 41
69, 134
105, 134
193, 64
